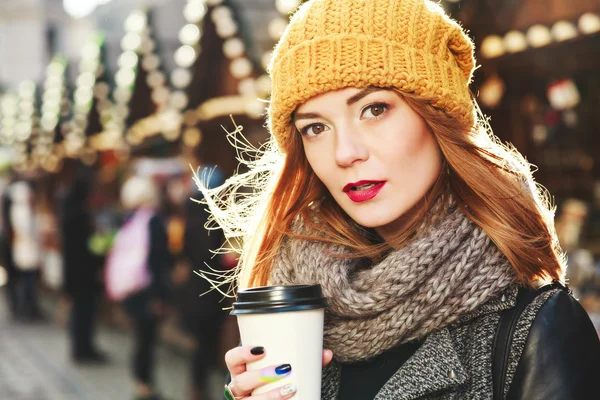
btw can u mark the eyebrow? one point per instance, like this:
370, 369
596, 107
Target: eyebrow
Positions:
351, 100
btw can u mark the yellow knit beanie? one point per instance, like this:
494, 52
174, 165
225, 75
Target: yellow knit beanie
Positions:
410, 45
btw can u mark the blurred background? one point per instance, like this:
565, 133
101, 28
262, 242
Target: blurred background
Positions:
108, 108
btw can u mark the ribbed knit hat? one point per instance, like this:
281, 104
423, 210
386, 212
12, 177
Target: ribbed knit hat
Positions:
410, 45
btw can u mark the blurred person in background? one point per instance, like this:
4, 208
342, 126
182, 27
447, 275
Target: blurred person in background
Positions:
202, 310
138, 275
23, 250
6, 258
81, 268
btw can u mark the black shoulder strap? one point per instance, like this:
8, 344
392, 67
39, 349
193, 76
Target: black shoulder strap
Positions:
504, 334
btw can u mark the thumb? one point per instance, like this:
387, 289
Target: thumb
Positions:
327, 357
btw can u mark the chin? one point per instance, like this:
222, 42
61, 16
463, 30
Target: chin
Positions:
370, 219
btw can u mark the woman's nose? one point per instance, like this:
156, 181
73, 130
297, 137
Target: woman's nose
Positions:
349, 148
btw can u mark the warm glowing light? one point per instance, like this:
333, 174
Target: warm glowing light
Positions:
90, 51
589, 23
128, 59
185, 56
233, 48
276, 27
122, 94
564, 30
286, 6
181, 78
226, 28
84, 95
246, 87
150, 62
131, 41
148, 45
194, 11
136, 22
55, 68
81, 8
492, 46
86, 79
515, 41
241, 67
538, 36
263, 84
155, 79
26, 88
220, 14
192, 137
179, 100
189, 34
266, 59
160, 95
125, 77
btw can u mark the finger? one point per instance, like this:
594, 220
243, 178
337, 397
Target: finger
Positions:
243, 384
284, 392
327, 357
237, 358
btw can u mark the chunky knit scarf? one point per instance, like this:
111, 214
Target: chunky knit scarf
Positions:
449, 269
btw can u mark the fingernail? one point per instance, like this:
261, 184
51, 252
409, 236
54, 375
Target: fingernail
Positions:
283, 369
270, 374
257, 350
287, 389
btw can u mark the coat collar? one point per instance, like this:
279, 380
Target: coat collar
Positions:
435, 365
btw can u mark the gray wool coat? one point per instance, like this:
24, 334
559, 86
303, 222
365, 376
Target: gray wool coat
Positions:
454, 362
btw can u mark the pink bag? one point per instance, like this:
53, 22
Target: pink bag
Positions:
126, 270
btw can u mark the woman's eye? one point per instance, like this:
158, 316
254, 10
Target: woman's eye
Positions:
374, 110
313, 129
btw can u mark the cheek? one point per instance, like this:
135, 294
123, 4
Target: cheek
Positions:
318, 161
421, 146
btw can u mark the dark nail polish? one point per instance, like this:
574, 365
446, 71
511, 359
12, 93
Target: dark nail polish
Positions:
257, 350
283, 369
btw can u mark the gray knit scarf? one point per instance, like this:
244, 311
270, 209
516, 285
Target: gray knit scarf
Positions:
449, 269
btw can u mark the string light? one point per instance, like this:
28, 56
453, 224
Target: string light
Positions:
186, 55
190, 34
276, 28
25, 124
194, 11
286, 7
9, 109
53, 99
137, 21
563, 31
90, 88
589, 23
538, 35
138, 52
515, 42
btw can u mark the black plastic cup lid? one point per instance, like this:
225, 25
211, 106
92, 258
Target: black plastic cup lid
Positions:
272, 299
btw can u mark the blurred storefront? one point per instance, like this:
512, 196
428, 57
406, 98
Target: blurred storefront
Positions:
539, 82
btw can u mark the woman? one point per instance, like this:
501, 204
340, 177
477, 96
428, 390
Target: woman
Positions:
141, 251
383, 185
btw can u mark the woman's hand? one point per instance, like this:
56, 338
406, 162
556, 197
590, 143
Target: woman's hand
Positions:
243, 382
327, 357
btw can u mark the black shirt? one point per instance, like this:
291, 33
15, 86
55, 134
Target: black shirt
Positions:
362, 380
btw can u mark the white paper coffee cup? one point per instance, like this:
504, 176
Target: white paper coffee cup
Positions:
288, 322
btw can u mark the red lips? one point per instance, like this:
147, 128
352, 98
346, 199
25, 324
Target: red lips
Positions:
358, 195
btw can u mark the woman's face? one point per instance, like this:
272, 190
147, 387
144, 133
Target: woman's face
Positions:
375, 155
